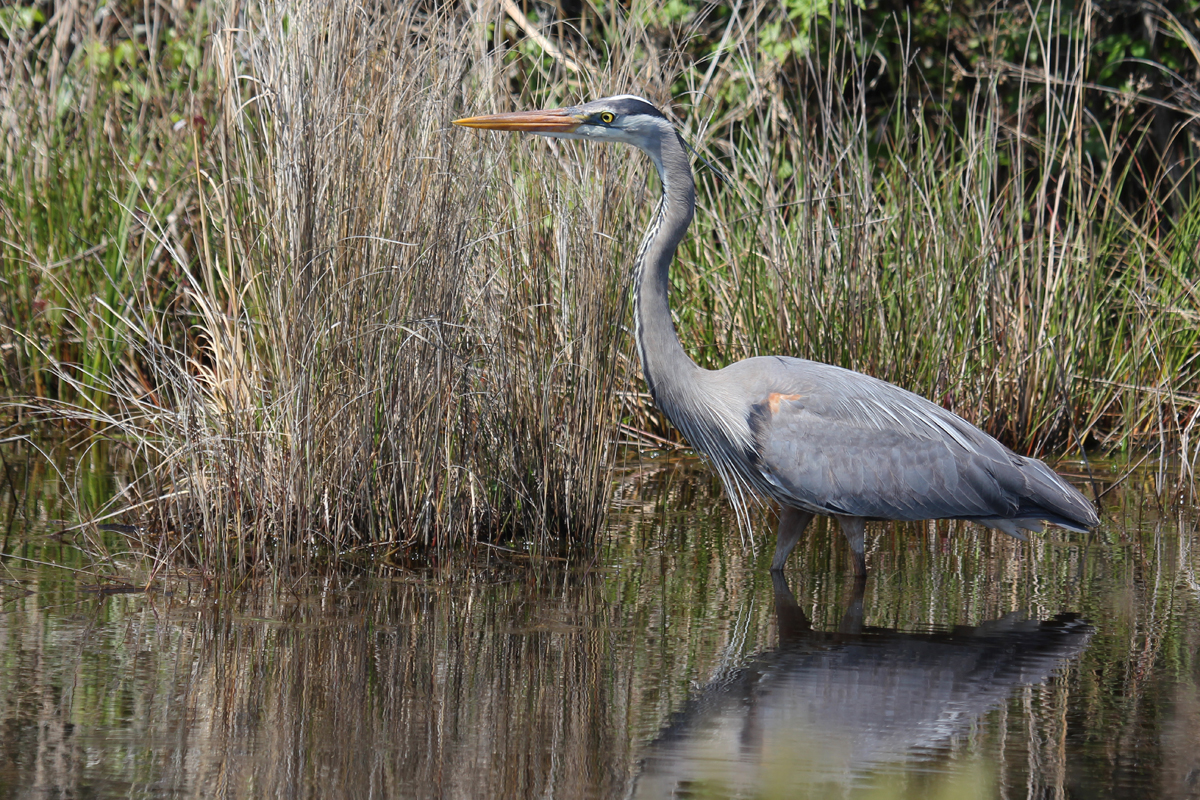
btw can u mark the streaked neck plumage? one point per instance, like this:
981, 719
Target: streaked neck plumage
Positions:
664, 362
691, 397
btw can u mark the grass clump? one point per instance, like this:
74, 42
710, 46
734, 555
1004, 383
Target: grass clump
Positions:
379, 334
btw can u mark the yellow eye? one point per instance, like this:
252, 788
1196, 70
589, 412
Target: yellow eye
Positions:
607, 117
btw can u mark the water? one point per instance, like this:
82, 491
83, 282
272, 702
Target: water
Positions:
667, 664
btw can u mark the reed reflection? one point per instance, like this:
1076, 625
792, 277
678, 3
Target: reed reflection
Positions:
833, 708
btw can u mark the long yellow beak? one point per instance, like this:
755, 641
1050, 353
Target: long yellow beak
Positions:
554, 121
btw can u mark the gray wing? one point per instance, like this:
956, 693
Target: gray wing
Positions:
839, 442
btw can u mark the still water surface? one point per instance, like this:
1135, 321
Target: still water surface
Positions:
668, 663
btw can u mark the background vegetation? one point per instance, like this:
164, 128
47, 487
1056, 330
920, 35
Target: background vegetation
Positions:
243, 243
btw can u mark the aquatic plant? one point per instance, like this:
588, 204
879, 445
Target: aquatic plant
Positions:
245, 245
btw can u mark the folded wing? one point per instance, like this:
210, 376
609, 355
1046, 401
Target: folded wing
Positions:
839, 442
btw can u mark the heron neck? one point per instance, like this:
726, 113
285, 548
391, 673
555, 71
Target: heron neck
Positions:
664, 361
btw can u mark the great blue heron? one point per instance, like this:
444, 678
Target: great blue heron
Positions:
815, 438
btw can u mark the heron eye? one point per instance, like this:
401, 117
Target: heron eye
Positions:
606, 116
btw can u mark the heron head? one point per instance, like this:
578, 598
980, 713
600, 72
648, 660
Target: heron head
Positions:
624, 118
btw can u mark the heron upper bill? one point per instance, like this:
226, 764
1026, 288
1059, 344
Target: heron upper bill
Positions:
555, 121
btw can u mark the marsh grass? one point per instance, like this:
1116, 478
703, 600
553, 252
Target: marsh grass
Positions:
996, 272
399, 336
91, 148
382, 333
328, 326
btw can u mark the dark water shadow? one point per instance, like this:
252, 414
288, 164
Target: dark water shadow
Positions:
830, 708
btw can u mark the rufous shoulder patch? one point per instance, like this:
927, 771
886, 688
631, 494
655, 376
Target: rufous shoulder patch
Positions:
774, 398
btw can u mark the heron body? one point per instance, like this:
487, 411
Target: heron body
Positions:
815, 438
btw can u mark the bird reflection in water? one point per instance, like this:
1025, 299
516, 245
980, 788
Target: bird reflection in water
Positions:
829, 708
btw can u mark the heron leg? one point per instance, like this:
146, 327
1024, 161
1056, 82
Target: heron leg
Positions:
792, 522
855, 530
852, 620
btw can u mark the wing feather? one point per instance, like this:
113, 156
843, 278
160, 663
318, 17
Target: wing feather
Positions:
839, 442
